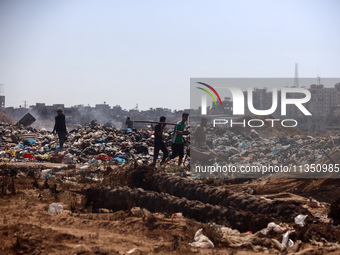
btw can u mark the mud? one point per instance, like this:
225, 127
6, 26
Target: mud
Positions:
284, 211
26, 239
124, 198
25, 228
316, 232
335, 211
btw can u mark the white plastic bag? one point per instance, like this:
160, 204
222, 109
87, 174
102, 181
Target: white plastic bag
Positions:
286, 242
202, 241
55, 208
300, 220
271, 226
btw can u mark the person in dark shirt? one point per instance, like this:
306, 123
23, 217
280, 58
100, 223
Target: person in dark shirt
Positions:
60, 127
159, 144
200, 134
129, 123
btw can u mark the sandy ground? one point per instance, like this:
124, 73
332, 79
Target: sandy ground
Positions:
26, 228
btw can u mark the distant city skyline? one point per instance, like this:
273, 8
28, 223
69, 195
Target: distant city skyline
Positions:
75, 52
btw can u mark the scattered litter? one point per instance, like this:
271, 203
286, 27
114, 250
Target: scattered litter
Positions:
300, 220
134, 251
272, 226
286, 242
202, 241
55, 208
323, 218
177, 216
136, 212
313, 203
80, 248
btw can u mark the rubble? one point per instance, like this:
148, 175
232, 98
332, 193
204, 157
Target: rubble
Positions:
268, 146
102, 156
95, 144
88, 144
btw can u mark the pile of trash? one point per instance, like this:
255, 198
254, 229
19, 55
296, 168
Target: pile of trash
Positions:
296, 149
239, 146
90, 144
98, 143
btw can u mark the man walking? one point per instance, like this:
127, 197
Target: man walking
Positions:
177, 140
159, 144
60, 127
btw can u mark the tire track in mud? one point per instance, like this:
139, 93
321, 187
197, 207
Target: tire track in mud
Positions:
159, 192
124, 198
194, 190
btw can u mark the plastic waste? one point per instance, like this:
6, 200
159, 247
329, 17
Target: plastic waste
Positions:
136, 212
55, 208
46, 174
120, 160
242, 144
28, 155
229, 231
177, 216
313, 203
31, 141
286, 242
47, 149
134, 251
68, 159
300, 220
103, 157
271, 226
99, 140
80, 248
202, 241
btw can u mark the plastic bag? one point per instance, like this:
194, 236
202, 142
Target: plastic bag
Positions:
286, 242
202, 241
55, 208
271, 226
300, 220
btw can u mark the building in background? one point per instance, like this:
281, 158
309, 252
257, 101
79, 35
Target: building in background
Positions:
2, 96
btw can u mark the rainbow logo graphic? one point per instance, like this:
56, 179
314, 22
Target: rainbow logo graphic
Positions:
209, 93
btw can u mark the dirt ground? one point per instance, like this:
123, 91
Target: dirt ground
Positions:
26, 228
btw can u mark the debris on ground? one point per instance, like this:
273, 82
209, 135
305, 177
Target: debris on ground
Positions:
101, 197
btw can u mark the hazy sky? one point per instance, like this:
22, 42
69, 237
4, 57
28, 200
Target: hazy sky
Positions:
128, 52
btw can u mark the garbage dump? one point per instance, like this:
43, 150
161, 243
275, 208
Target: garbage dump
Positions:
100, 184
98, 143
289, 148
86, 144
